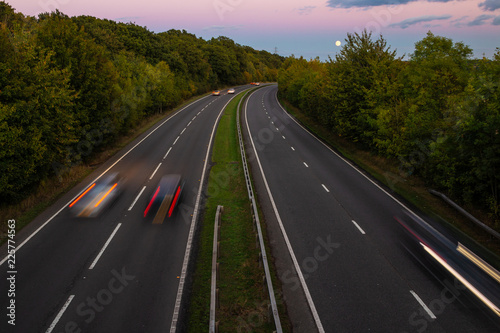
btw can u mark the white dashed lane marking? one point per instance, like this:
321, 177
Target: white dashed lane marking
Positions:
136, 198
357, 226
152, 175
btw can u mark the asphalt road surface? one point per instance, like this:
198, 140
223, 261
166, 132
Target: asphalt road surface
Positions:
337, 228
116, 272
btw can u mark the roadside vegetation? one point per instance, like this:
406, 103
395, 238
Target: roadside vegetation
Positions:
243, 299
431, 121
71, 87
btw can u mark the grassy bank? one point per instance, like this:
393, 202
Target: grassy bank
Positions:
243, 298
411, 188
50, 190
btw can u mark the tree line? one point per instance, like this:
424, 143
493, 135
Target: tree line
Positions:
69, 86
437, 112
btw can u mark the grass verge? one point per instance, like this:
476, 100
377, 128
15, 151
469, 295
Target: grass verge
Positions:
50, 190
411, 188
243, 299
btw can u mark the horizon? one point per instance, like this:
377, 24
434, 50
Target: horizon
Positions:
293, 28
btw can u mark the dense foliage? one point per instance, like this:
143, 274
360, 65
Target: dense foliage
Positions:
438, 113
71, 85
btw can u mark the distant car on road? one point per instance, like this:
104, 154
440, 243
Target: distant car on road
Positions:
216, 93
165, 198
98, 196
230, 91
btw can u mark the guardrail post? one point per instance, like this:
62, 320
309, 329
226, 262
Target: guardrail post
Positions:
217, 275
462, 211
214, 291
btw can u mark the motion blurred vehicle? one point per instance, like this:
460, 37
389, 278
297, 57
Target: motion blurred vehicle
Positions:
94, 200
230, 91
216, 93
165, 198
448, 255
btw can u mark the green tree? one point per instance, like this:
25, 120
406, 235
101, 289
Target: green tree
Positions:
436, 74
35, 125
92, 74
469, 155
359, 71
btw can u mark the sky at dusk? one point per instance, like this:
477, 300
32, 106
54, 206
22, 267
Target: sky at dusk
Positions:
303, 28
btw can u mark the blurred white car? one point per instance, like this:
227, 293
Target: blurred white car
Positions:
230, 91
98, 196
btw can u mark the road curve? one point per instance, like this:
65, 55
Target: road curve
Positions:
116, 272
338, 227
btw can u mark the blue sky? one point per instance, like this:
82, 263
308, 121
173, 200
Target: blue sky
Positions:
303, 28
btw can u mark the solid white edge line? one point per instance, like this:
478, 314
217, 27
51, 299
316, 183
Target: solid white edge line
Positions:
357, 226
59, 315
112, 165
283, 231
169, 149
153, 174
422, 304
187, 254
136, 198
346, 161
105, 246
326, 188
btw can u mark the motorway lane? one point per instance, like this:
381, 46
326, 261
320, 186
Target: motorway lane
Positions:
133, 285
362, 279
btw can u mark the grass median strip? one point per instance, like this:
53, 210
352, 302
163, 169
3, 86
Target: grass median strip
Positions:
242, 297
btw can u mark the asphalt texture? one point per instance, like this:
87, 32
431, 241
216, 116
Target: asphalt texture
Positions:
117, 272
359, 270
